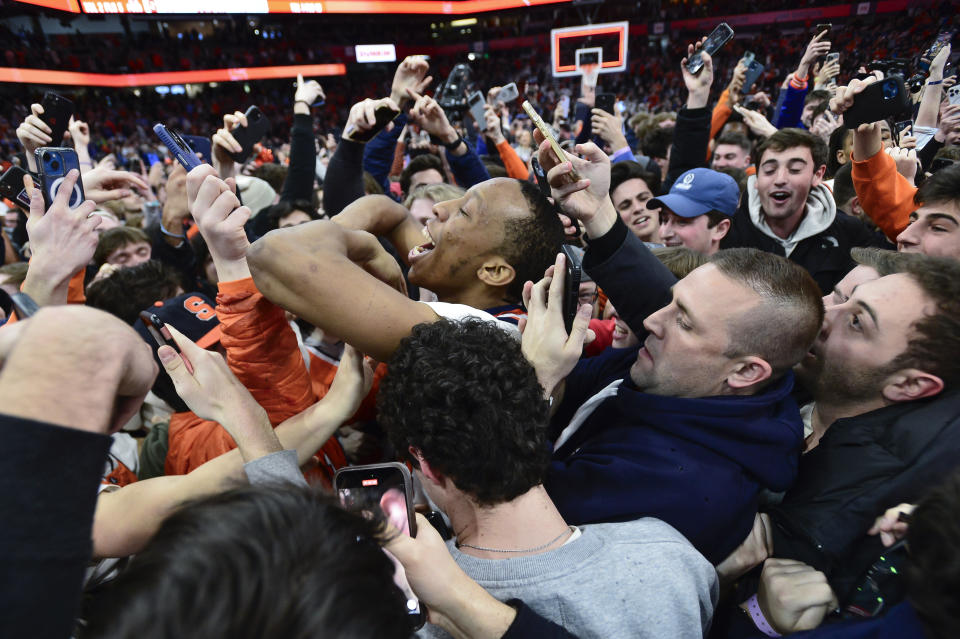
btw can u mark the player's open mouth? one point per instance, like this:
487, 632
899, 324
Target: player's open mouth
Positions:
423, 249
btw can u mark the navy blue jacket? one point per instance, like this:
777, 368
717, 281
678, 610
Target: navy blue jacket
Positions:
697, 464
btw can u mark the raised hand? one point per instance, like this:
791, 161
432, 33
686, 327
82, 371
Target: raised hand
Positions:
411, 75
307, 93
363, 116
103, 184
818, 46
698, 86
34, 133
492, 126
755, 121
224, 144
609, 127
906, 159
546, 345
586, 198
428, 113
891, 526
220, 219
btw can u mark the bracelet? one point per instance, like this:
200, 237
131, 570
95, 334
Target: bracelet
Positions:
182, 236
753, 607
452, 145
934, 83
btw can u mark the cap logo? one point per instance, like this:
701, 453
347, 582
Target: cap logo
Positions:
198, 307
687, 181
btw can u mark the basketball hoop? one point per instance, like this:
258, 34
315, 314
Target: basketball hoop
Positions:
588, 62
590, 72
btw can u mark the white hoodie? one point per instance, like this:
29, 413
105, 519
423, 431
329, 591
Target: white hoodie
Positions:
820, 214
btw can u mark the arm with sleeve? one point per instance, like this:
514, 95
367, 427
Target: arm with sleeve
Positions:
691, 143
516, 168
790, 108
885, 195
378, 154
467, 168
298, 184
721, 113
344, 180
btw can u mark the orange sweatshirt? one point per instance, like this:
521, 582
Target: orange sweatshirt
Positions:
514, 165
262, 352
885, 195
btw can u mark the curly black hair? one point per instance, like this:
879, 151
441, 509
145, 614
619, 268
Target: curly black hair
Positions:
465, 397
261, 561
134, 288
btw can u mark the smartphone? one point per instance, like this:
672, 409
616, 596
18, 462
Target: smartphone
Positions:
833, 57
571, 286
547, 134
383, 492
953, 94
476, 102
11, 186
201, 145
717, 38
23, 305
900, 126
247, 136
881, 100
383, 116
748, 57
53, 164
178, 147
161, 335
754, 71
541, 176
56, 114
607, 102
823, 26
509, 93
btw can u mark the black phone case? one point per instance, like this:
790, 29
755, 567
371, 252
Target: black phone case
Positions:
717, 38
247, 136
754, 71
384, 115
607, 102
879, 101
11, 186
56, 114
571, 287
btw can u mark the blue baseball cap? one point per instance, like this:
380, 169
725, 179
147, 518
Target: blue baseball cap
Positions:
700, 191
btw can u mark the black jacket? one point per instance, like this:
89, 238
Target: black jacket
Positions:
826, 255
863, 466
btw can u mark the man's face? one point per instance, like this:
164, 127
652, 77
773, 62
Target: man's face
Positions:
295, 218
430, 176
630, 198
683, 356
886, 134
463, 234
691, 232
934, 229
422, 209
860, 274
808, 108
130, 255
133, 203
730, 155
784, 180
850, 359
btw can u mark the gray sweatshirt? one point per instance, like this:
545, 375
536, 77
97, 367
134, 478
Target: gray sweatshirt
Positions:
632, 579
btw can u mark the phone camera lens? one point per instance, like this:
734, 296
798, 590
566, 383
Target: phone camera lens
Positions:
54, 165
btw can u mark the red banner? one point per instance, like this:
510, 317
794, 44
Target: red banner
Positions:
73, 78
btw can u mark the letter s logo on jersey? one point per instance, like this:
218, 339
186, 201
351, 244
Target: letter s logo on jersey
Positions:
198, 307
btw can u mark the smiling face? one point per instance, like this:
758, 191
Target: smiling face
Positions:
692, 232
851, 357
730, 155
630, 198
464, 233
934, 229
784, 180
684, 354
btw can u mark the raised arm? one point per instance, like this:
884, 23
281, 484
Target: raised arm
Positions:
691, 136
301, 174
383, 217
335, 279
929, 109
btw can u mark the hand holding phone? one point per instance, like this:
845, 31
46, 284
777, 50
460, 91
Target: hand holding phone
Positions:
57, 111
717, 38
162, 336
249, 134
547, 135
508, 94
877, 101
178, 147
53, 164
368, 117
571, 286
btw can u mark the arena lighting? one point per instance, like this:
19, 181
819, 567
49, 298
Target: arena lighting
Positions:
72, 78
436, 7
465, 22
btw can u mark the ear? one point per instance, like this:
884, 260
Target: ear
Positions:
855, 208
841, 156
430, 473
496, 272
721, 229
749, 371
818, 176
911, 384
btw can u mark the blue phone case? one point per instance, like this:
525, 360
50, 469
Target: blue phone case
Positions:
200, 145
53, 164
178, 147
754, 70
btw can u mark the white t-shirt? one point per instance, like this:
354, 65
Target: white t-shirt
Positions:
459, 312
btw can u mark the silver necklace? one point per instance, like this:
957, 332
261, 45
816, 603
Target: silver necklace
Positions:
570, 530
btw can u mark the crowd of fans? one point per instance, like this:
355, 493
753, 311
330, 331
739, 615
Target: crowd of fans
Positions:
740, 419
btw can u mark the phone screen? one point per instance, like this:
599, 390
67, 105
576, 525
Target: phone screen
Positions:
717, 38
384, 492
